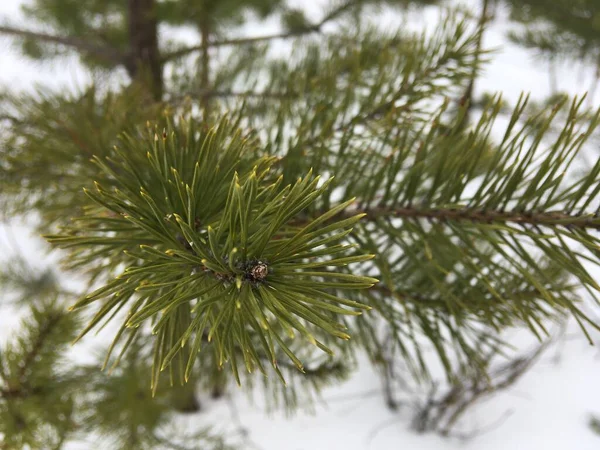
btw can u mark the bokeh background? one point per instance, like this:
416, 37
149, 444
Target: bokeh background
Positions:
549, 408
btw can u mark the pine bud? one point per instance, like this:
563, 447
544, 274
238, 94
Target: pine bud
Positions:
259, 271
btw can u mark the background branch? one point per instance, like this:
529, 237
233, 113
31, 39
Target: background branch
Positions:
315, 28
104, 52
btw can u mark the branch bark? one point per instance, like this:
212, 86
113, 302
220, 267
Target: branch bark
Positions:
552, 218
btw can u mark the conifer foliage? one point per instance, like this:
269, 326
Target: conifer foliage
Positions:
269, 206
214, 259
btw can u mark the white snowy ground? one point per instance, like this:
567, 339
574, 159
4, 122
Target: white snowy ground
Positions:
547, 409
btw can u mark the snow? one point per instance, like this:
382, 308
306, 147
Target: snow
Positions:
548, 408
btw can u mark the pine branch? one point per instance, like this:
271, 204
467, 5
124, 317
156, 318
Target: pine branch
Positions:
315, 28
104, 52
37, 345
547, 219
265, 269
408, 90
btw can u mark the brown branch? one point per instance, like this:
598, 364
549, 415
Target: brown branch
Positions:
315, 28
104, 52
550, 219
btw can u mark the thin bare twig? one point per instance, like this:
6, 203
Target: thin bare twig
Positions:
441, 413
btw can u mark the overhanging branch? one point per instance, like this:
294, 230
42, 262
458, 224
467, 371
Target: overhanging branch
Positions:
314, 28
104, 52
239, 41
